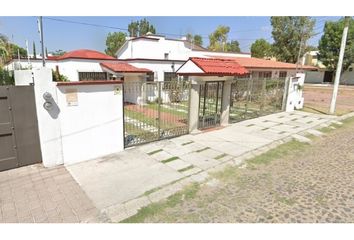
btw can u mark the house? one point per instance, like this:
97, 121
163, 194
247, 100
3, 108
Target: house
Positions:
82, 65
151, 58
165, 55
324, 75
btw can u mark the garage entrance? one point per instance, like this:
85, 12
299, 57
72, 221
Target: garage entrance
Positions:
210, 100
19, 138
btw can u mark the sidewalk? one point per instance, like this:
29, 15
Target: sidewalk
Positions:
120, 184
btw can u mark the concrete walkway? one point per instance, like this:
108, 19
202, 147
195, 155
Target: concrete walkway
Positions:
121, 183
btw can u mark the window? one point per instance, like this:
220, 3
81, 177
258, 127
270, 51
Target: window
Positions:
282, 74
150, 77
166, 56
91, 76
169, 76
262, 75
265, 74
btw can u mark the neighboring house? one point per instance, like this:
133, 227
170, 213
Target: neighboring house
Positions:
164, 56
311, 59
82, 65
323, 75
263, 68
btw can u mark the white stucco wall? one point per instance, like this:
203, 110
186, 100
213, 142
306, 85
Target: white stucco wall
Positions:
159, 68
94, 127
48, 120
70, 134
156, 49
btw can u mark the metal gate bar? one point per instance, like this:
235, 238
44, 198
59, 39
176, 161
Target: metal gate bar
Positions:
210, 100
155, 110
251, 98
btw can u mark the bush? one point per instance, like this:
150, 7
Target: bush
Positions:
6, 77
57, 77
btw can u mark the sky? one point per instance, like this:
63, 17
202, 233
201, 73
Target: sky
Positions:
67, 35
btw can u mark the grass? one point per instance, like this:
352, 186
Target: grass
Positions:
173, 110
188, 192
186, 143
169, 159
156, 151
346, 122
220, 156
203, 149
148, 120
287, 201
279, 152
186, 168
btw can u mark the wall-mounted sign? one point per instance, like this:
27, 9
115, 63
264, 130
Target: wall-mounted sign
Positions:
117, 90
71, 97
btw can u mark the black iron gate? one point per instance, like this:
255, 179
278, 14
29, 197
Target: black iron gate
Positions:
155, 110
251, 98
19, 140
210, 102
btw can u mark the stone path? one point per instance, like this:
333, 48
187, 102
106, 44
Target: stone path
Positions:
122, 183
315, 185
35, 194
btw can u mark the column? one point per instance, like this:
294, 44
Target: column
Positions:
225, 107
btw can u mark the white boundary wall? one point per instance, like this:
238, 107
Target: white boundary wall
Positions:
91, 128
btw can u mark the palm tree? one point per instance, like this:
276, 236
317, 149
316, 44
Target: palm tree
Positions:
3, 48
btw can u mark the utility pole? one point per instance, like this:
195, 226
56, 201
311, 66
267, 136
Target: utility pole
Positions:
40, 30
339, 67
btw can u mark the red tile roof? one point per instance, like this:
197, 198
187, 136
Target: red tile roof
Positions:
263, 63
218, 66
122, 67
85, 54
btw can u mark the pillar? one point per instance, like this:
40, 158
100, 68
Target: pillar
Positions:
225, 107
194, 107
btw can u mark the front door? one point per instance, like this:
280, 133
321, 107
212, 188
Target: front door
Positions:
210, 100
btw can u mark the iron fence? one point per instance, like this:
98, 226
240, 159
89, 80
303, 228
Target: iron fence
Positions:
155, 110
251, 98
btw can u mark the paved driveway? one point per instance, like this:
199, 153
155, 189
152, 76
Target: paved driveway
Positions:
121, 177
35, 194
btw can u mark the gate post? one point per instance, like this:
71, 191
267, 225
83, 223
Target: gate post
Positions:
193, 106
225, 107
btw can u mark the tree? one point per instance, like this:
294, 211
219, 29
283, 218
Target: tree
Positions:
140, 28
261, 48
198, 40
3, 46
233, 46
34, 51
15, 49
288, 34
329, 44
113, 42
58, 52
217, 40
195, 39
